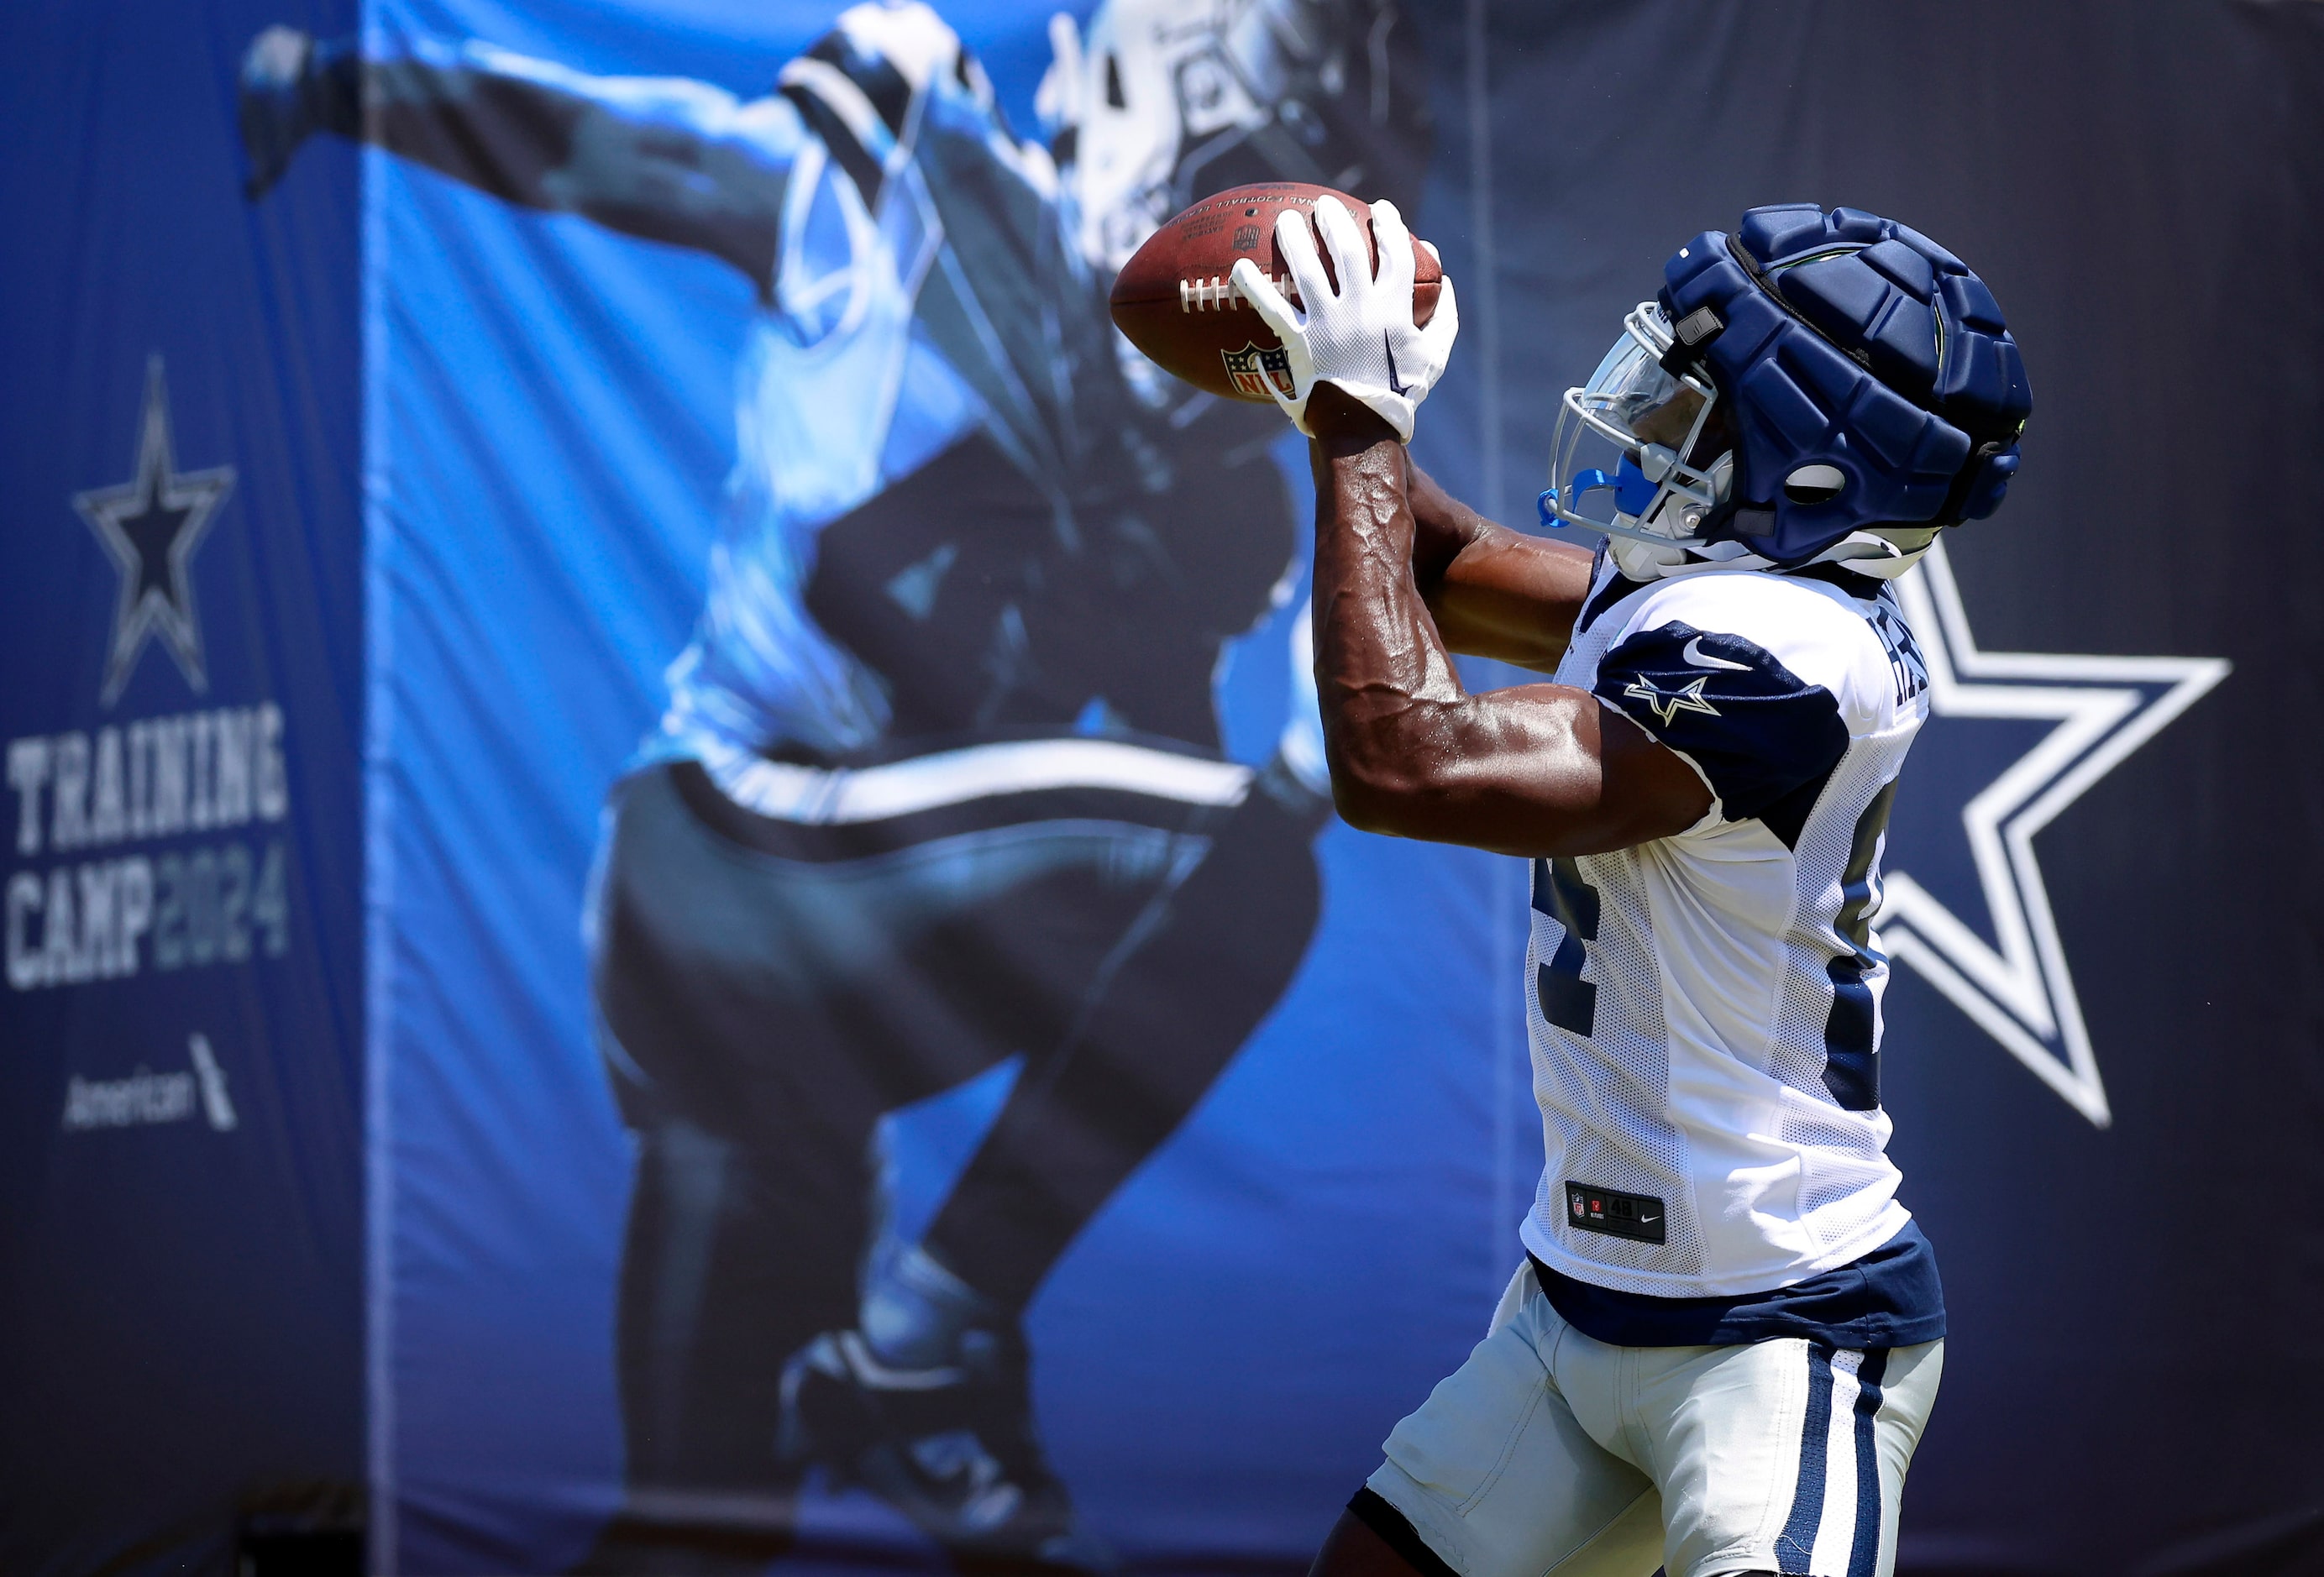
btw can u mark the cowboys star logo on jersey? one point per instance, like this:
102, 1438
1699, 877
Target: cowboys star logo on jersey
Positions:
1667, 704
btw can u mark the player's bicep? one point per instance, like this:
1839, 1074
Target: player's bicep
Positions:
1650, 791
1493, 592
1510, 597
1536, 770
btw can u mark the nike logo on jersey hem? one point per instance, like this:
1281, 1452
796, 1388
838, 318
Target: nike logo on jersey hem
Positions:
1693, 651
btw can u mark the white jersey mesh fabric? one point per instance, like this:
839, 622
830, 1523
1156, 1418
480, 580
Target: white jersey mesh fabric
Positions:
1703, 1010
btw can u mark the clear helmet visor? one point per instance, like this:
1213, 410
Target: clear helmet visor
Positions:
1630, 390
1637, 451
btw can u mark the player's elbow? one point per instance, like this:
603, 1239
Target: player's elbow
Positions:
1382, 791
1363, 806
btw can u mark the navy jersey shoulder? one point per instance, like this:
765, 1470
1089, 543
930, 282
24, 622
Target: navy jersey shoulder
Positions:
1756, 731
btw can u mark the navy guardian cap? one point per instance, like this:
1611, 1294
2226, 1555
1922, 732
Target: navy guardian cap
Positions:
1814, 380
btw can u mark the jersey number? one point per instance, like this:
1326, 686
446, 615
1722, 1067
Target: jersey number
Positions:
1567, 1001
1851, 1068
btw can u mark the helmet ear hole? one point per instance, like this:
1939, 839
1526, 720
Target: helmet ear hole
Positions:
1815, 484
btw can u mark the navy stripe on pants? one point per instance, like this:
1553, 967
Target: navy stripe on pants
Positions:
1795, 1545
1864, 1549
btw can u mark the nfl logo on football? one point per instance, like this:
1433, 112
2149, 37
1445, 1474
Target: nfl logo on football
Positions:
1252, 369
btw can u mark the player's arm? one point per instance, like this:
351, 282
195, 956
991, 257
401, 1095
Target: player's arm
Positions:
662, 158
1535, 770
1493, 592
1538, 769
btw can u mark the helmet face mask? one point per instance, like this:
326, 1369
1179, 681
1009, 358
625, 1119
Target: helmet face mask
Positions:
1638, 453
1858, 377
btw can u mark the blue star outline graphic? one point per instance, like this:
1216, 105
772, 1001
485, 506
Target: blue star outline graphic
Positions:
2019, 986
149, 526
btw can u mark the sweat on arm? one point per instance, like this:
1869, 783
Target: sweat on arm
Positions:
1535, 770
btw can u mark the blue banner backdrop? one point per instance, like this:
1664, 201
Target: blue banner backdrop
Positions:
789, 758
180, 1147
556, 416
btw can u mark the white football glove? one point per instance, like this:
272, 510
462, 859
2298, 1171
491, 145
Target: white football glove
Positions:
1360, 336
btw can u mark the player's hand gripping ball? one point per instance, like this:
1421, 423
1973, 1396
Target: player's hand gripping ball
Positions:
1234, 297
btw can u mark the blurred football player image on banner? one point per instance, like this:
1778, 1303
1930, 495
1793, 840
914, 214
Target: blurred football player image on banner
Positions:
941, 780
1727, 1339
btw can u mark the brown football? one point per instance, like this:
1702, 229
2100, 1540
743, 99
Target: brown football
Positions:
1176, 302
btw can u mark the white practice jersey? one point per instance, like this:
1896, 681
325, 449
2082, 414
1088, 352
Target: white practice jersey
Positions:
1704, 1009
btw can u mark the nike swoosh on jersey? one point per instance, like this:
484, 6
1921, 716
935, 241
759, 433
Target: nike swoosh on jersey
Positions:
1693, 651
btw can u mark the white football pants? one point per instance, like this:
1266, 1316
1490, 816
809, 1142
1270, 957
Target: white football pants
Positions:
1549, 1452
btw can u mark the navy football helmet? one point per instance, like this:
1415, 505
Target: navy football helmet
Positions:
1817, 385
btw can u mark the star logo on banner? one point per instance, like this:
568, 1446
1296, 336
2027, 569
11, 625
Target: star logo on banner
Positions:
150, 527
2018, 987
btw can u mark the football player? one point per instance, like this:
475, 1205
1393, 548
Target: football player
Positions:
1728, 1336
940, 779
